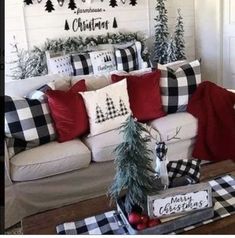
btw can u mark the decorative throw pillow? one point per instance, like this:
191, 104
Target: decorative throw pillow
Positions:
144, 95
81, 64
127, 59
178, 86
60, 65
180, 168
39, 93
69, 112
107, 108
103, 61
27, 124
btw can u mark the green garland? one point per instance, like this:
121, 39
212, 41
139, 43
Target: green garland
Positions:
36, 58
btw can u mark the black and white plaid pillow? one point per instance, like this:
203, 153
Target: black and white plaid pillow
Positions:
178, 86
81, 64
180, 168
127, 59
27, 124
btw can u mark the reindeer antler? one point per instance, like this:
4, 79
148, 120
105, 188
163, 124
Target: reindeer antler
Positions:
175, 136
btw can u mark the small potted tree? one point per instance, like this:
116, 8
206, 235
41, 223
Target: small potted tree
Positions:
134, 173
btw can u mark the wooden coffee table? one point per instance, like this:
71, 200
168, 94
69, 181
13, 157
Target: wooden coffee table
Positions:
46, 222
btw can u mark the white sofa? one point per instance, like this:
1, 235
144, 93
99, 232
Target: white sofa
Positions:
58, 174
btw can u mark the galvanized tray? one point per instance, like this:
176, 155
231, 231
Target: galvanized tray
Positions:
166, 227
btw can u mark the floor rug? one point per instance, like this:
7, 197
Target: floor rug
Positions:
223, 190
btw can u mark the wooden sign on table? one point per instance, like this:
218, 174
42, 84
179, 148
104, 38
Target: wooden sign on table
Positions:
180, 200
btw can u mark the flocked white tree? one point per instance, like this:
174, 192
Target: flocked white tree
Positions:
161, 33
179, 37
171, 50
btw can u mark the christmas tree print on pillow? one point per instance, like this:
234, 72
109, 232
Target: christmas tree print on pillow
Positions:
111, 110
107, 108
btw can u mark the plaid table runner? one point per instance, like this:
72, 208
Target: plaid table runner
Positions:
223, 189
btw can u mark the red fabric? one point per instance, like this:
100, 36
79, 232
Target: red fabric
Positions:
68, 112
213, 107
144, 95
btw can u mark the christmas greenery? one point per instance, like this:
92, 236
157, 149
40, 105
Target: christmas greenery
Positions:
37, 58
161, 33
133, 162
179, 38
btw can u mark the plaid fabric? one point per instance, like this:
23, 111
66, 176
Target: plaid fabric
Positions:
190, 168
161, 150
178, 86
97, 225
81, 64
127, 59
27, 124
223, 191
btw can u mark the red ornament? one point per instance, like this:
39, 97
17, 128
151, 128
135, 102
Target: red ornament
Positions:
153, 222
141, 226
134, 218
144, 219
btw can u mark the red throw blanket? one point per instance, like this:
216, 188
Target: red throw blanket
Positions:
213, 106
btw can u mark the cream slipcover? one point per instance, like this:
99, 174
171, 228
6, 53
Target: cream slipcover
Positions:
49, 159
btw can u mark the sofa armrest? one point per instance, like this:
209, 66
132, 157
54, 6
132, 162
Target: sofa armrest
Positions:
8, 180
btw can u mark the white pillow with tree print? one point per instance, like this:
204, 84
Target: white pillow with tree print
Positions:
107, 108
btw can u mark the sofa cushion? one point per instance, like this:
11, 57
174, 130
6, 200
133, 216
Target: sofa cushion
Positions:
168, 126
103, 145
49, 159
93, 82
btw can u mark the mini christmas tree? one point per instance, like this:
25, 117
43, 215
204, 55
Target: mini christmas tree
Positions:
179, 38
112, 112
115, 23
133, 2
123, 109
113, 3
171, 51
134, 171
49, 6
161, 33
72, 5
99, 115
66, 25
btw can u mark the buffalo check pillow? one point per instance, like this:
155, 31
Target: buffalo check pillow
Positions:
178, 85
127, 58
27, 124
81, 64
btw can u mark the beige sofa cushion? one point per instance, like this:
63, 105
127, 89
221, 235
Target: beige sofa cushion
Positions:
168, 125
49, 159
103, 145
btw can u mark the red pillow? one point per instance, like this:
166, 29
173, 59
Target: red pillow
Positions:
144, 95
68, 112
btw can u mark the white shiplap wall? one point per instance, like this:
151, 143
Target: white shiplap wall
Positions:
32, 25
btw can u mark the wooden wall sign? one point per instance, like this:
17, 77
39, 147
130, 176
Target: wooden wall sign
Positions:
180, 200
